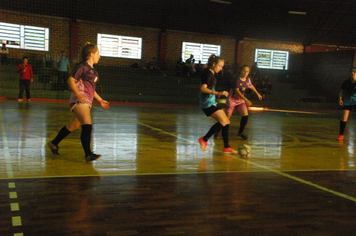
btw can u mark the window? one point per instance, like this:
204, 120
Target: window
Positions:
200, 51
24, 36
119, 46
271, 59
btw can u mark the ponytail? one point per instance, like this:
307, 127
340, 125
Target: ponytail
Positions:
213, 59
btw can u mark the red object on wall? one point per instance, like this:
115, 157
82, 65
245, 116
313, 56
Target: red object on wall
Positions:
73, 39
163, 50
240, 46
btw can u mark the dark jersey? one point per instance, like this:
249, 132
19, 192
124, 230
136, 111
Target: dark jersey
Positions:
207, 100
349, 89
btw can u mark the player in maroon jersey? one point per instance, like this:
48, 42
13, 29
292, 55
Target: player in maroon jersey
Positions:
82, 82
237, 100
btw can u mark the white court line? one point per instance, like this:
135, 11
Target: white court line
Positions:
16, 220
9, 171
299, 179
262, 166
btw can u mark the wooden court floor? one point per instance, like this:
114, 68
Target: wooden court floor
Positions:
153, 179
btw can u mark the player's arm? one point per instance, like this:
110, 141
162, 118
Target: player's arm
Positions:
71, 84
204, 89
31, 74
104, 104
238, 93
256, 92
341, 94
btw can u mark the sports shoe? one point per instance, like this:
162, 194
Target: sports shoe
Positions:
230, 150
53, 148
340, 137
203, 144
92, 157
243, 136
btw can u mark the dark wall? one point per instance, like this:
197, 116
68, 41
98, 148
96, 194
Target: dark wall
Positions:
323, 73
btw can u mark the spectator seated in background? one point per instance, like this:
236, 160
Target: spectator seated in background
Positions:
179, 66
226, 71
188, 66
255, 72
152, 65
268, 83
4, 52
191, 69
262, 88
199, 69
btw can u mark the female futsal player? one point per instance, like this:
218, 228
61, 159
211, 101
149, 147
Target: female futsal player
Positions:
236, 99
82, 82
209, 105
347, 100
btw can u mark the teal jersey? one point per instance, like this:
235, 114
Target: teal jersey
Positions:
207, 100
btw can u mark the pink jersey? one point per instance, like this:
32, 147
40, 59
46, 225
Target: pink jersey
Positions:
86, 78
232, 98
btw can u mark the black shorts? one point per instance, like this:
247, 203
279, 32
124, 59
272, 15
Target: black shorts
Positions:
349, 107
210, 110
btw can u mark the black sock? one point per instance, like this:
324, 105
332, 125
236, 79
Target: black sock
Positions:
60, 136
214, 129
342, 127
243, 123
85, 137
225, 135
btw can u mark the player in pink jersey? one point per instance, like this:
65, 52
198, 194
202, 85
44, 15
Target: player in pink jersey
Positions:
82, 82
236, 99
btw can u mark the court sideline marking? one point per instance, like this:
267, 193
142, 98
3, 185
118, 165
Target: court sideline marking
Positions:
14, 205
256, 164
9, 167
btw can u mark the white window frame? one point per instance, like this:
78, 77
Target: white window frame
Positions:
200, 51
119, 46
272, 59
24, 36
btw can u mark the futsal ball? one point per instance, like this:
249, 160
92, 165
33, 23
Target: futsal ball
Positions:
244, 151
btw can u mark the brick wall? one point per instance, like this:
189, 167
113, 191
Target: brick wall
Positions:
324, 72
87, 31
59, 29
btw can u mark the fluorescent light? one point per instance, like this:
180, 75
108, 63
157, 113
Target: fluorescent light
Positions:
221, 1
297, 12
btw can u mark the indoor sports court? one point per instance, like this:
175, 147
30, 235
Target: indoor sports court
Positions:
153, 179
148, 59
